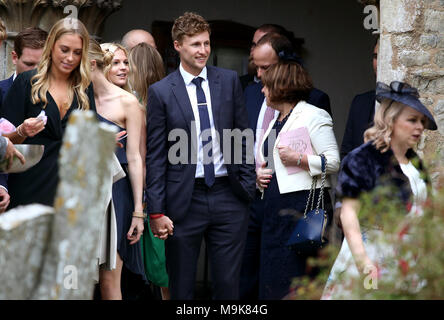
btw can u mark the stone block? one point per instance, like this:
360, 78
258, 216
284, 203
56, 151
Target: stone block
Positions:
388, 72
414, 58
24, 234
439, 108
85, 179
51, 253
398, 16
439, 58
428, 41
434, 20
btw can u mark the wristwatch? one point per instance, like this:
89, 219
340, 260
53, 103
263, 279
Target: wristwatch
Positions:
298, 163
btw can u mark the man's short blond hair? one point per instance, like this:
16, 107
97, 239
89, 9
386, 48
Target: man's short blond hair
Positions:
189, 24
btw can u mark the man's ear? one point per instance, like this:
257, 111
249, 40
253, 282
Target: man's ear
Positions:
177, 45
15, 57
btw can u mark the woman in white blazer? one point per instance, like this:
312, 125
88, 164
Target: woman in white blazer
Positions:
289, 159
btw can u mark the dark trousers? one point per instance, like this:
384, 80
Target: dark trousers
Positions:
249, 280
218, 215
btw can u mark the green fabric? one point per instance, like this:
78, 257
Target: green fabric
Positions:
153, 254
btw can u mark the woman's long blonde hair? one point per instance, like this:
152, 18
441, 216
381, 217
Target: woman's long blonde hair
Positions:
382, 129
80, 76
111, 47
146, 68
102, 59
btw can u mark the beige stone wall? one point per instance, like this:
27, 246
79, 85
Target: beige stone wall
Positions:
412, 50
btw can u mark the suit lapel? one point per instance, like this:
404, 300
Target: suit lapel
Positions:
215, 92
181, 94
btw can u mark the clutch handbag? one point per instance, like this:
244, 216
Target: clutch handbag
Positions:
309, 232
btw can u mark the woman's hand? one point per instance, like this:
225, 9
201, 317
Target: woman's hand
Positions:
120, 136
263, 176
31, 127
135, 231
11, 151
289, 157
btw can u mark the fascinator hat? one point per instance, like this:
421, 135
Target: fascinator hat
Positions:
290, 56
405, 94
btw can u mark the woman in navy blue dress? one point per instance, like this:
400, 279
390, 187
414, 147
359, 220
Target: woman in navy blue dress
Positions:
121, 109
286, 173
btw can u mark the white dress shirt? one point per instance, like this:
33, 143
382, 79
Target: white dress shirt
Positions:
218, 161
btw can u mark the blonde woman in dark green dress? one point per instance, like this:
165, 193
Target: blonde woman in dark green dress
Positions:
147, 68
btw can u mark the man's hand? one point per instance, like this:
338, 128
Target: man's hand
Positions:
11, 151
162, 227
4, 200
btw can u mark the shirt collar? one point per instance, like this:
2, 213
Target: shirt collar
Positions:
14, 76
188, 77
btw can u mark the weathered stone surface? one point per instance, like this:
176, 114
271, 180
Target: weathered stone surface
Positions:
440, 41
428, 41
54, 256
434, 20
404, 41
24, 236
386, 71
439, 108
414, 58
439, 58
85, 174
398, 16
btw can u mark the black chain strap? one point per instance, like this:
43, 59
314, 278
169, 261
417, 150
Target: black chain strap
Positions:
311, 196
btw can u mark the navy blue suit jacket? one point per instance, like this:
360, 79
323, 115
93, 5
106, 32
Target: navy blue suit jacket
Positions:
170, 186
254, 99
360, 118
4, 88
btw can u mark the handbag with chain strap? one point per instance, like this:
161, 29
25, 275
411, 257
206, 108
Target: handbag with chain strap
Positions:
309, 234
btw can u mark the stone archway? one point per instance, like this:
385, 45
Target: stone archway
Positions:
20, 14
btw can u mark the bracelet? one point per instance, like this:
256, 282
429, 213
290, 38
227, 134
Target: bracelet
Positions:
298, 163
19, 131
156, 216
137, 214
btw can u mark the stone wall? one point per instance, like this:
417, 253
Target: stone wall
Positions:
412, 50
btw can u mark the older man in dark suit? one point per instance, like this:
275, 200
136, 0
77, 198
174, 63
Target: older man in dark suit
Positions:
193, 180
265, 54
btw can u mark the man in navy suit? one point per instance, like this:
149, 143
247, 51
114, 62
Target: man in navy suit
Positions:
360, 116
28, 49
192, 178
